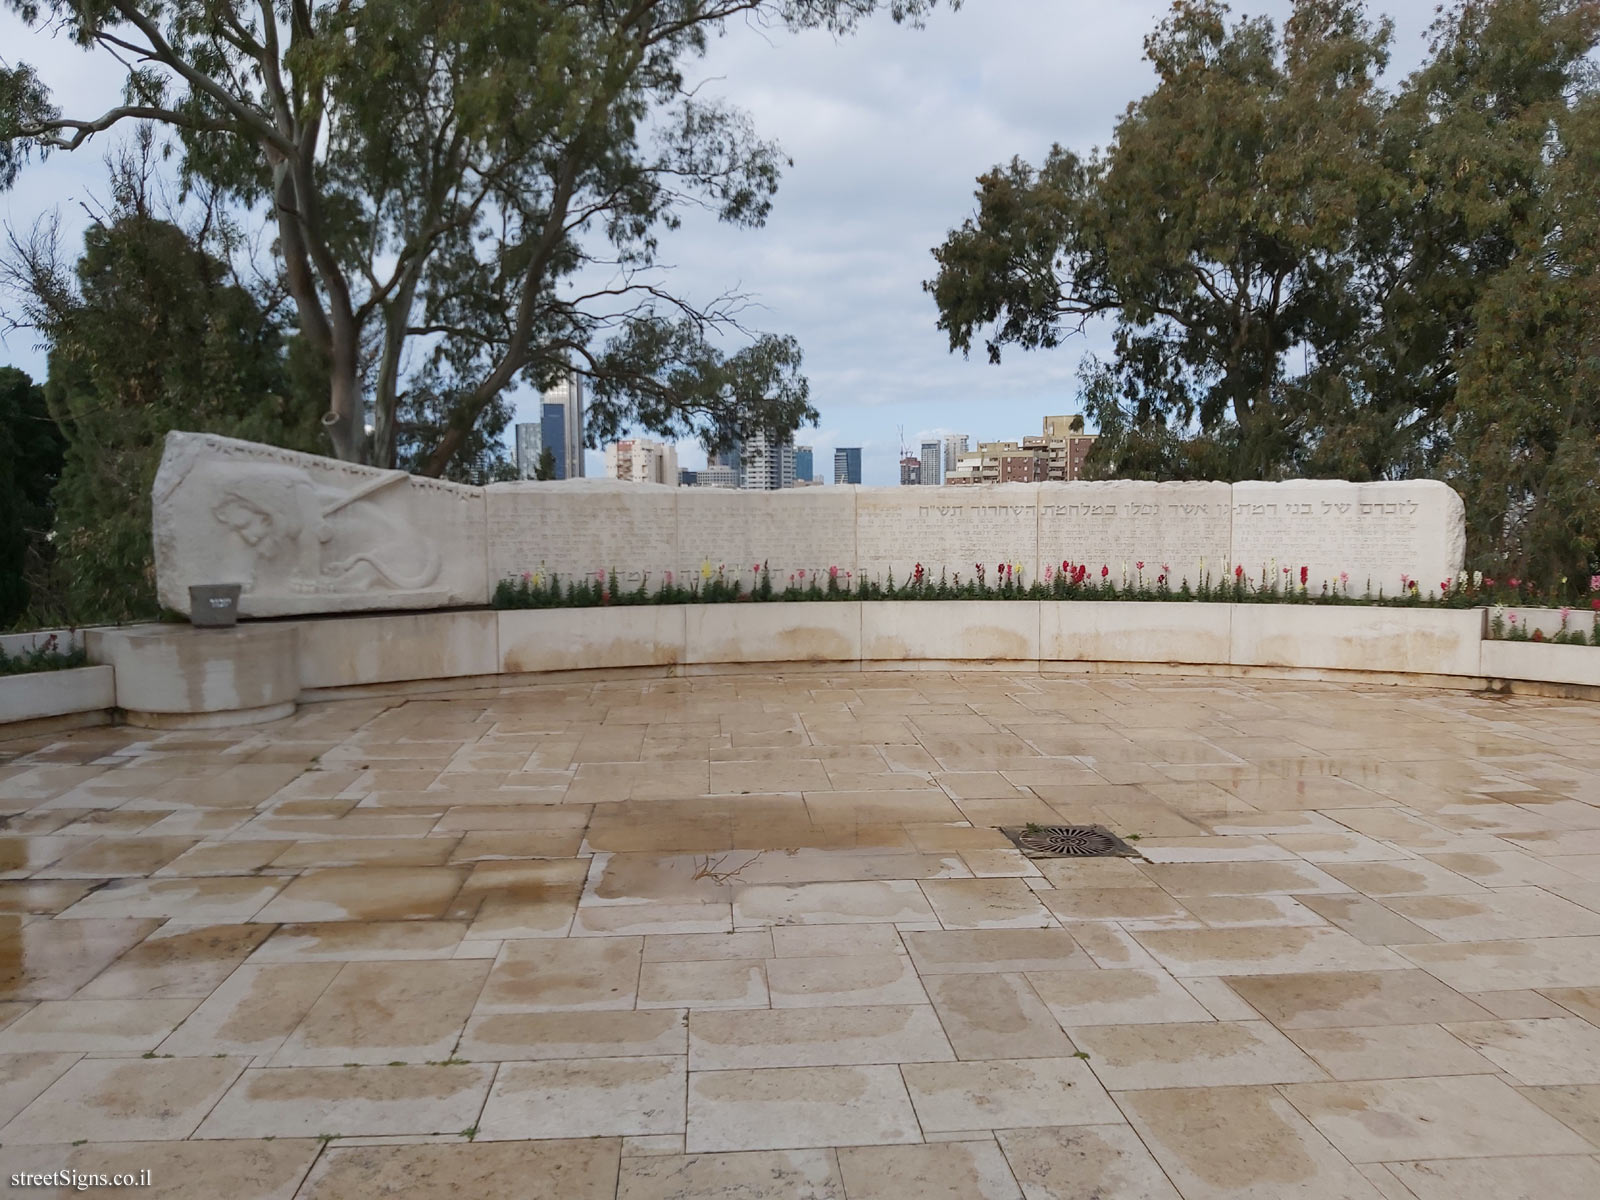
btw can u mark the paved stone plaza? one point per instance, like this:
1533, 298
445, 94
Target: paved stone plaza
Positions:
748, 936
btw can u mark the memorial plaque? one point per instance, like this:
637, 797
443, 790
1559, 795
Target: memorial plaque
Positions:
306, 534
1120, 523
1367, 531
581, 528
803, 529
947, 528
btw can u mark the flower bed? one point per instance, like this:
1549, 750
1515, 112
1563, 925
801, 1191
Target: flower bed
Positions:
45, 653
1557, 626
1137, 582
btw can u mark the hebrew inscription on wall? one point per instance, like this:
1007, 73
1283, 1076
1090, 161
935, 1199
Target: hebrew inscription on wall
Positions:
581, 528
949, 529
1176, 529
305, 534
1362, 531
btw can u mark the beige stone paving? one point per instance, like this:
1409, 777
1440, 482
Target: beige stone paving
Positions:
757, 936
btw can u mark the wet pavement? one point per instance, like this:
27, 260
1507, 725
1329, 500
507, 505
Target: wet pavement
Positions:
760, 937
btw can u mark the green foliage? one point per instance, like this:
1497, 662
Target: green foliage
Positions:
1309, 275
439, 173
148, 333
545, 469
31, 449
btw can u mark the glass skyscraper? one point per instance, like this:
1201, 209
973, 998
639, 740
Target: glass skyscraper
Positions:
847, 464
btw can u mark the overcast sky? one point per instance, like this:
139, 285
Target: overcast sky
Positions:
888, 130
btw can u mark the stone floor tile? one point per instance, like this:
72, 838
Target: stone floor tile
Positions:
1534, 1178
652, 1145
95, 1026
1241, 878
824, 941
357, 941
378, 1012
1143, 907
707, 917
116, 857
1582, 1002
945, 1171
1415, 877
224, 858
1502, 965
1538, 1051
843, 980
830, 904
1341, 999
1390, 1052
242, 1170
1577, 1106
514, 1036
1517, 1004
1263, 951
1115, 997
747, 1175
24, 1076
1073, 1163
125, 1100
1498, 913
996, 1015
708, 947
1192, 1054
1213, 848
1504, 868
1112, 947
484, 845
357, 852
986, 904
1462, 1116
784, 1108
1196, 1134
1007, 1094
1366, 920
816, 1037
1237, 912
1334, 846
349, 1101
606, 1097
1221, 1001
194, 901
252, 1013
177, 960
1068, 873
366, 894
573, 974
723, 983
584, 1169
965, 952
48, 896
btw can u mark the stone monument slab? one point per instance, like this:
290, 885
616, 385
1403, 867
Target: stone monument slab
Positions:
306, 534
808, 529
1120, 523
949, 529
578, 528
1373, 532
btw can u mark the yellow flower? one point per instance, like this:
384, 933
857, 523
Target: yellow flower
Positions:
705, 569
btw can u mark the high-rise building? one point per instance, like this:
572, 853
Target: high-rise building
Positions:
767, 463
847, 464
910, 471
802, 463
568, 396
955, 445
717, 476
554, 433
932, 463
641, 460
1056, 455
530, 444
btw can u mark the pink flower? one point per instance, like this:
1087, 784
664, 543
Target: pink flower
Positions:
1166, 570
1516, 583
669, 578
1594, 583
1344, 576
600, 575
1138, 566
1049, 572
1513, 619
833, 572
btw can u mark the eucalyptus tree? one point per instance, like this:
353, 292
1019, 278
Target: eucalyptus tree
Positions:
446, 176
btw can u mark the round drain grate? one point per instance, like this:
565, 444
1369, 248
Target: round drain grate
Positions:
1084, 840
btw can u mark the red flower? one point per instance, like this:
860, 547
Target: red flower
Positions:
1065, 566
1305, 573
1238, 572
1595, 604
1104, 571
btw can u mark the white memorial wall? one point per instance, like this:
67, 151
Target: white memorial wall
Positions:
307, 534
